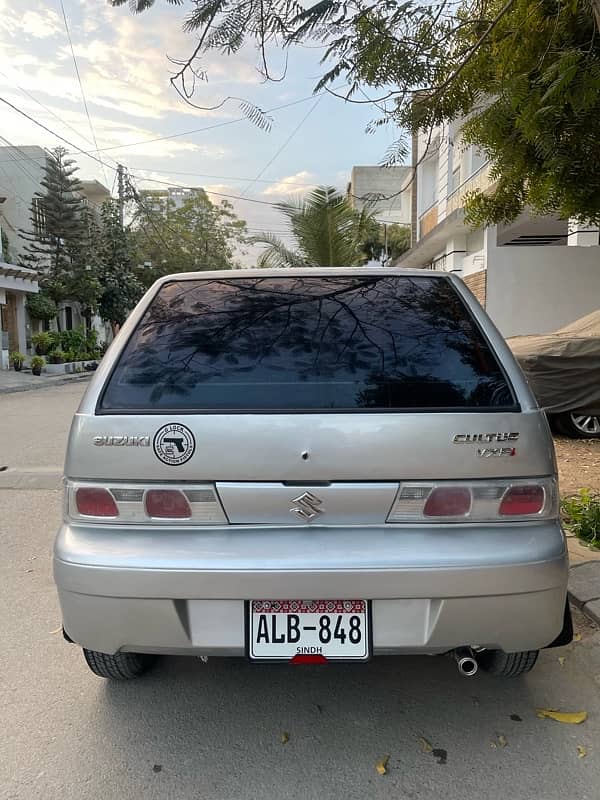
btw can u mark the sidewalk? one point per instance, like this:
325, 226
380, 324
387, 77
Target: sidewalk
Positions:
584, 578
11, 381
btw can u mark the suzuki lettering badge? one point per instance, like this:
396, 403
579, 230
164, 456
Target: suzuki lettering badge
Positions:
174, 444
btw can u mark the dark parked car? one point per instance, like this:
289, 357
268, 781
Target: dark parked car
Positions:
563, 369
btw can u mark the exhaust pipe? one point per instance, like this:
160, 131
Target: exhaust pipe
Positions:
466, 661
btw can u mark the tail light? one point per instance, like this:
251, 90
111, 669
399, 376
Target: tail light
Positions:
475, 501
167, 504
92, 501
131, 504
520, 500
448, 501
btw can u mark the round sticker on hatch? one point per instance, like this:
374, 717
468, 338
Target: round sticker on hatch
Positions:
174, 444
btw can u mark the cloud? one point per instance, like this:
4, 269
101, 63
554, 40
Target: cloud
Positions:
292, 184
41, 24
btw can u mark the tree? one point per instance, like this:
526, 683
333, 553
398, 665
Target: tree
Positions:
526, 73
41, 306
327, 230
120, 287
385, 242
199, 235
58, 245
5, 247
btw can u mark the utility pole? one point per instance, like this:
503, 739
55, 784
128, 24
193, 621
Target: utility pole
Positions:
121, 190
385, 245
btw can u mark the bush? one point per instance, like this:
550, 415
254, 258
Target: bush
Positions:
37, 361
91, 340
73, 341
42, 343
16, 358
581, 515
56, 357
54, 340
71, 356
41, 306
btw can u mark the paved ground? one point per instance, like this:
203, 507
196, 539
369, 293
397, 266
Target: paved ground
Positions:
12, 381
193, 731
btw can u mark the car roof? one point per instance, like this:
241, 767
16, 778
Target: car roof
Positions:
298, 272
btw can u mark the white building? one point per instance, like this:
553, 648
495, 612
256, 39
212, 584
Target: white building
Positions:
384, 191
170, 199
523, 273
15, 284
21, 173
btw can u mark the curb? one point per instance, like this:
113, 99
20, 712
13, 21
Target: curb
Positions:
34, 387
584, 588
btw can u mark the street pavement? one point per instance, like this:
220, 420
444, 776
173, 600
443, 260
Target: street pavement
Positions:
228, 729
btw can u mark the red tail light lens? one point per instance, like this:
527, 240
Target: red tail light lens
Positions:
520, 500
450, 501
94, 502
167, 504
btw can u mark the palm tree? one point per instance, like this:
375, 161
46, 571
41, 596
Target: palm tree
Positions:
328, 232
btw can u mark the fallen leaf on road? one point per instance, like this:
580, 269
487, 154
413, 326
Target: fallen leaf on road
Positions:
576, 637
157, 768
561, 660
426, 746
570, 717
502, 740
440, 754
381, 766
581, 751
493, 745
285, 737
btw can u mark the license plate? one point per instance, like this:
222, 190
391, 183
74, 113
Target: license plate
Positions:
335, 630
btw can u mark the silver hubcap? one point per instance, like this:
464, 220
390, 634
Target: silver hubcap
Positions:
586, 424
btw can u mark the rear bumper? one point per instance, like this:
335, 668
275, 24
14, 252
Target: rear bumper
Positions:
431, 589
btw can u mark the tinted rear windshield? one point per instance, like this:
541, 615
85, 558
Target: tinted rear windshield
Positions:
307, 343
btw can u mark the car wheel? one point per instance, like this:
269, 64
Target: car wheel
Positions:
580, 426
507, 665
121, 666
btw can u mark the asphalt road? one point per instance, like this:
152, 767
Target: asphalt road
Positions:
191, 730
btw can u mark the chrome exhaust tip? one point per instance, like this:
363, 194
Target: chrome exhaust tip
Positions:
466, 662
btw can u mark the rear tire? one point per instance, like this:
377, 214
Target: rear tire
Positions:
120, 667
507, 665
579, 426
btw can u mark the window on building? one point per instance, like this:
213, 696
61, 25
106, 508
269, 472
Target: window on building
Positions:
38, 215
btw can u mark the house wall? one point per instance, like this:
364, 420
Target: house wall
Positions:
385, 181
540, 289
21, 170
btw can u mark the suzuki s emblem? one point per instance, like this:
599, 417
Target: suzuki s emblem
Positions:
307, 506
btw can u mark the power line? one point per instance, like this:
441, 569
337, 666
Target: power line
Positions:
46, 109
83, 97
283, 146
207, 127
231, 177
19, 161
99, 160
53, 133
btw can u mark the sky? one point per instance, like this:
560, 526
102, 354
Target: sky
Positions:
123, 62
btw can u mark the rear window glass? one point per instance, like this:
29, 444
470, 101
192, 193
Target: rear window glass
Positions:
307, 343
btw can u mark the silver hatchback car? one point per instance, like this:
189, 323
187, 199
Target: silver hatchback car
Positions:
311, 466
